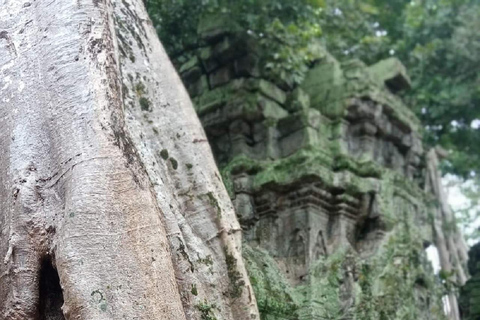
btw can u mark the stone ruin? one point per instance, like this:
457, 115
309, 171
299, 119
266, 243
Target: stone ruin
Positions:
470, 293
328, 179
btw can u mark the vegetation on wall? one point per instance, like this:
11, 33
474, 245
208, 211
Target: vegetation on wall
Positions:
287, 29
438, 43
437, 40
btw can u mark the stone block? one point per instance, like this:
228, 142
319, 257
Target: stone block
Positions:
271, 109
198, 87
391, 72
211, 100
209, 63
271, 143
305, 137
191, 63
309, 118
239, 127
244, 207
229, 49
220, 77
191, 75
259, 132
298, 100
267, 89
272, 91
212, 27
247, 66
290, 124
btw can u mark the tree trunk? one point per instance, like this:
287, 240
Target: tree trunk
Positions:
111, 206
449, 240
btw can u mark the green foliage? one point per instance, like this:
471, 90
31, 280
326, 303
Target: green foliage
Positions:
177, 21
144, 104
286, 29
290, 49
438, 42
446, 83
274, 294
164, 154
350, 29
397, 283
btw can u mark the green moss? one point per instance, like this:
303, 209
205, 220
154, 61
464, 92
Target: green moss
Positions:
236, 281
398, 283
181, 250
206, 310
189, 166
193, 62
140, 89
194, 289
390, 279
174, 163
214, 202
208, 261
276, 298
144, 104
362, 169
164, 154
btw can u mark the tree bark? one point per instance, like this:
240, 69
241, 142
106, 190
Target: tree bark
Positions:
106, 175
449, 240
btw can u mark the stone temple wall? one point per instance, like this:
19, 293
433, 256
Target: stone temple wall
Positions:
470, 293
327, 179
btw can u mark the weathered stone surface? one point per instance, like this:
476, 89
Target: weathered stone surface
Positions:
193, 62
215, 26
271, 91
270, 108
221, 77
229, 49
327, 181
298, 100
209, 62
470, 293
247, 66
198, 87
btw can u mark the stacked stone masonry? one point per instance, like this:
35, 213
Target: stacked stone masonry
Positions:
327, 179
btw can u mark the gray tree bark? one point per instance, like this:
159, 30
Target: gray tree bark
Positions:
449, 240
106, 176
